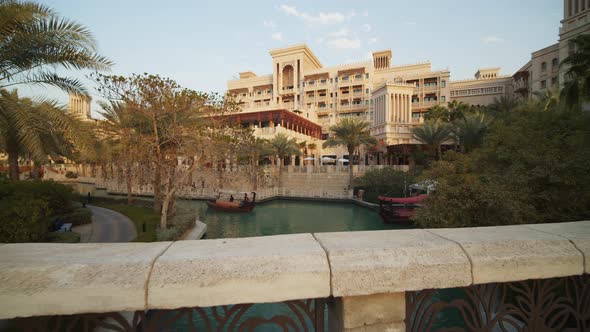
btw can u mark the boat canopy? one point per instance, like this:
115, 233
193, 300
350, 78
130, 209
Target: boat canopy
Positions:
407, 200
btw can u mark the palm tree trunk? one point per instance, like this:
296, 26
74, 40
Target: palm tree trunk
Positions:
13, 164
280, 166
254, 173
350, 175
439, 151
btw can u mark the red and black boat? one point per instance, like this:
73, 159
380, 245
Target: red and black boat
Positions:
232, 205
399, 210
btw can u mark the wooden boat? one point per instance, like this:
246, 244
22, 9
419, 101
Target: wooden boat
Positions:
235, 206
399, 210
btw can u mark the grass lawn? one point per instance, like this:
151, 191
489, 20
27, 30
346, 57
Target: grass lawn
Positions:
62, 237
138, 215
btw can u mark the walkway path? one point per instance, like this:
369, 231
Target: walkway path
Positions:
110, 226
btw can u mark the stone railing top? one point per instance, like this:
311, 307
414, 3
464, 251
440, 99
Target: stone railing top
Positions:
56, 279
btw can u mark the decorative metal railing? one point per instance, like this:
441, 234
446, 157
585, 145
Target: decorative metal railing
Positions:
558, 304
298, 315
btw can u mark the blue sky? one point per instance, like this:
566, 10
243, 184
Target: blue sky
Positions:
202, 44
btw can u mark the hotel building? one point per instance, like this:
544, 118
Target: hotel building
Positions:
302, 98
544, 70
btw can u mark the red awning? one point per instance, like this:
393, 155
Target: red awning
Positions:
408, 200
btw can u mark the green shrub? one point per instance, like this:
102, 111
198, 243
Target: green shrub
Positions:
79, 216
28, 207
383, 182
62, 237
532, 168
23, 218
465, 199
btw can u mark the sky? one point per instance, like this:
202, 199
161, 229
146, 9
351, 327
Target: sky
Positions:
203, 44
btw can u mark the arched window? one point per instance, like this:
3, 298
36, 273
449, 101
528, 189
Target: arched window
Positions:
555, 62
288, 77
544, 66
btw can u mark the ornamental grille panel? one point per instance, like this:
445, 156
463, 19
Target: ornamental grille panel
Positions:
558, 304
299, 315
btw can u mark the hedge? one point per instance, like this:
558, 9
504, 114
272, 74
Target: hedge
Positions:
27, 208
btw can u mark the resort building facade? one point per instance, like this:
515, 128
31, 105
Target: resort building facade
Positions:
545, 70
392, 98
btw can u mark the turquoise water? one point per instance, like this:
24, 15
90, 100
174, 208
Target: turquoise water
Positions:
288, 217
276, 217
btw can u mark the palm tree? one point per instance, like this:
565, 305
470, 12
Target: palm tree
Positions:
283, 146
432, 134
35, 42
504, 105
437, 112
302, 147
547, 99
576, 89
470, 130
457, 110
352, 133
311, 147
37, 130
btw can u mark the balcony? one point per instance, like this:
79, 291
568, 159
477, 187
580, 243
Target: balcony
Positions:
351, 107
288, 90
263, 95
262, 104
288, 104
432, 87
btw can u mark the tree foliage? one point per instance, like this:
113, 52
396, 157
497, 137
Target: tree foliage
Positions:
577, 85
383, 182
171, 123
531, 168
432, 134
37, 130
351, 133
28, 207
36, 41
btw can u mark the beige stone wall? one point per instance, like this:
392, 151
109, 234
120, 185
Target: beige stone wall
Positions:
544, 70
483, 90
296, 181
367, 272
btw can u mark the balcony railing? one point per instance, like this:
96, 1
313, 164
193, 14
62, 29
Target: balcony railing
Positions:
352, 106
289, 104
503, 278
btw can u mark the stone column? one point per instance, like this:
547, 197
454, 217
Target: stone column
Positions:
377, 312
387, 110
409, 108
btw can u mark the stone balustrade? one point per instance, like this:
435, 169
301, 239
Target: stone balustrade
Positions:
368, 273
